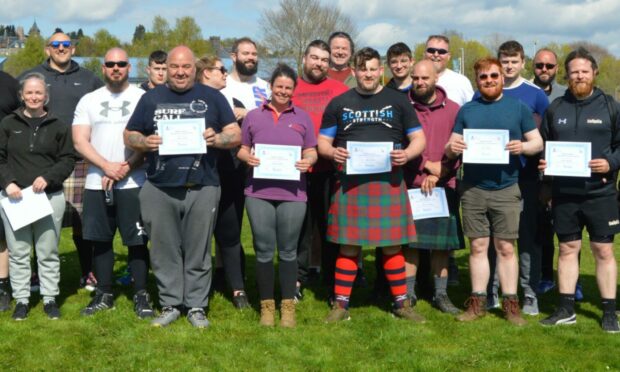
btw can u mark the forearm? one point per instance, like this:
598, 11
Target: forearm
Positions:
135, 141
88, 152
310, 155
533, 146
135, 160
326, 149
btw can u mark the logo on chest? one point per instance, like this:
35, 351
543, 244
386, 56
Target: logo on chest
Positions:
594, 121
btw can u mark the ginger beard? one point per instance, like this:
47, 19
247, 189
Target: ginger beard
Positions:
580, 89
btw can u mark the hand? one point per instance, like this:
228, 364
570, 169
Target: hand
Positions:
340, 155
457, 146
39, 184
429, 183
209, 136
253, 161
599, 165
152, 142
515, 147
13, 191
542, 165
303, 165
107, 183
399, 157
115, 170
433, 167
240, 113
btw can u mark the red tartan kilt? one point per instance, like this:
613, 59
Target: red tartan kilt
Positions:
370, 210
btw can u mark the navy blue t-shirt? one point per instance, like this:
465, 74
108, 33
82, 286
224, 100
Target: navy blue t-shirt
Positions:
507, 113
162, 103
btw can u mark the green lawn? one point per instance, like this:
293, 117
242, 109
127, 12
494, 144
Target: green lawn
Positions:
372, 340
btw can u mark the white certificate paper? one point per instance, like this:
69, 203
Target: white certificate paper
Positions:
30, 208
182, 136
486, 146
277, 162
369, 157
569, 159
431, 205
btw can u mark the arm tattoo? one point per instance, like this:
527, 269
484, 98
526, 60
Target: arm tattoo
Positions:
225, 139
136, 140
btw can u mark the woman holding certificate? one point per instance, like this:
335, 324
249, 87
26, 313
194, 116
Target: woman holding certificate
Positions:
36, 156
278, 142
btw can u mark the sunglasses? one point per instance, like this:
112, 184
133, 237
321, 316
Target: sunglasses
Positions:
492, 75
111, 64
56, 44
540, 66
439, 51
222, 69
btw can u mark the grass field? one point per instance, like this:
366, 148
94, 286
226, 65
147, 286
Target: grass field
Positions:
372, 340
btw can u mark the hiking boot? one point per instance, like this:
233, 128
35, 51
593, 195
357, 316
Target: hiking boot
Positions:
21, 311
337, 313
5, 301
476, 307
101, 302
268, 313
240, 300
287, 313
560, 316
197, 318
168, 315
510, 306
52, 310
406, 312
443, 303
142, 305
609, 323
530, 305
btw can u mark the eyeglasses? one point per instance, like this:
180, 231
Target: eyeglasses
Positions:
111, 64
56, 44
221, 69
492, 75
540, 66
439, 51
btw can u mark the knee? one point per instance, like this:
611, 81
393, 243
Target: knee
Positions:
264, 256
288, 254
604, 254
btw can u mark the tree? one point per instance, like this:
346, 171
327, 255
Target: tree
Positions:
187, 32
287, 30
33, 54
138, 34
94, 64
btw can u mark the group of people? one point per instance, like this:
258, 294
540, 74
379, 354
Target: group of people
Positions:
103, 139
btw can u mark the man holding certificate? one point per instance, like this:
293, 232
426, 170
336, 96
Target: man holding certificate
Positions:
180, 197
582, 140
490, 196
363, 131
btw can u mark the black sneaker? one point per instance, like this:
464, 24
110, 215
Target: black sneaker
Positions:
101, 301
560, 316
52, 310
142, 305
609, 323
5, 301
21, 311
240, 300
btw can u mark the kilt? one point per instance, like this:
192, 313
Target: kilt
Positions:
370, 209
441, 234
73, 188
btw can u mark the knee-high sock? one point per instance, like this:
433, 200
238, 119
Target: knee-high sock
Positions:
139, 264
394, 266
104, 265
346, 270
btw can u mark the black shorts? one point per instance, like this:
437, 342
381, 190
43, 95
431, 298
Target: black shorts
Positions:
598, 214
100, 221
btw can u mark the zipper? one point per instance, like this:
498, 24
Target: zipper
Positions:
33, 138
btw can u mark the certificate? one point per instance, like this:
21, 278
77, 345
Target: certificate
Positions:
431, 205
30, 208
369, 157
277, 162
486, 146
182, 136
569, 159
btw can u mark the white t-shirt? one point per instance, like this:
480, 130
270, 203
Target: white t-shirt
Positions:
251, 93
107, 114
457, 86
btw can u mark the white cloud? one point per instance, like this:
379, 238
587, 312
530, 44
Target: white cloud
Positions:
381, 35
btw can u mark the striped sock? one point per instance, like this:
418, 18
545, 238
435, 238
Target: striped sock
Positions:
346, 270
394, 266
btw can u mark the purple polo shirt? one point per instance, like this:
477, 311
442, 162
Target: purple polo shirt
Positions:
293, 128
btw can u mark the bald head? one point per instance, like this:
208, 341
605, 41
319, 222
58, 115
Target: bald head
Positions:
116, 54
181, 65
424, 81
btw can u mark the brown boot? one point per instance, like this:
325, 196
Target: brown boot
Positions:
287, 313
476, 308
268, 313
510, 305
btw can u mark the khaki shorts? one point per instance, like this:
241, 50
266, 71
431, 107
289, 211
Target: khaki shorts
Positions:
491, 212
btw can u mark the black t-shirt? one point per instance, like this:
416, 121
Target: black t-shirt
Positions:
162, 103
383, 117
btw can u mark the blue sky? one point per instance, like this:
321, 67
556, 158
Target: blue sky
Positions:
532, 22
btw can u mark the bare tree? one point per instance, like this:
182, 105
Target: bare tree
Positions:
287, 30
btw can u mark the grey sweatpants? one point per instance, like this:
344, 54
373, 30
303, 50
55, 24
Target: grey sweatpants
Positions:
179, 222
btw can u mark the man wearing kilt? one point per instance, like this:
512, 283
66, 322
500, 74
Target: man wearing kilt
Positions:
370, 209
439, 235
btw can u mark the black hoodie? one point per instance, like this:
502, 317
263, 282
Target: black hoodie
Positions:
587, 120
